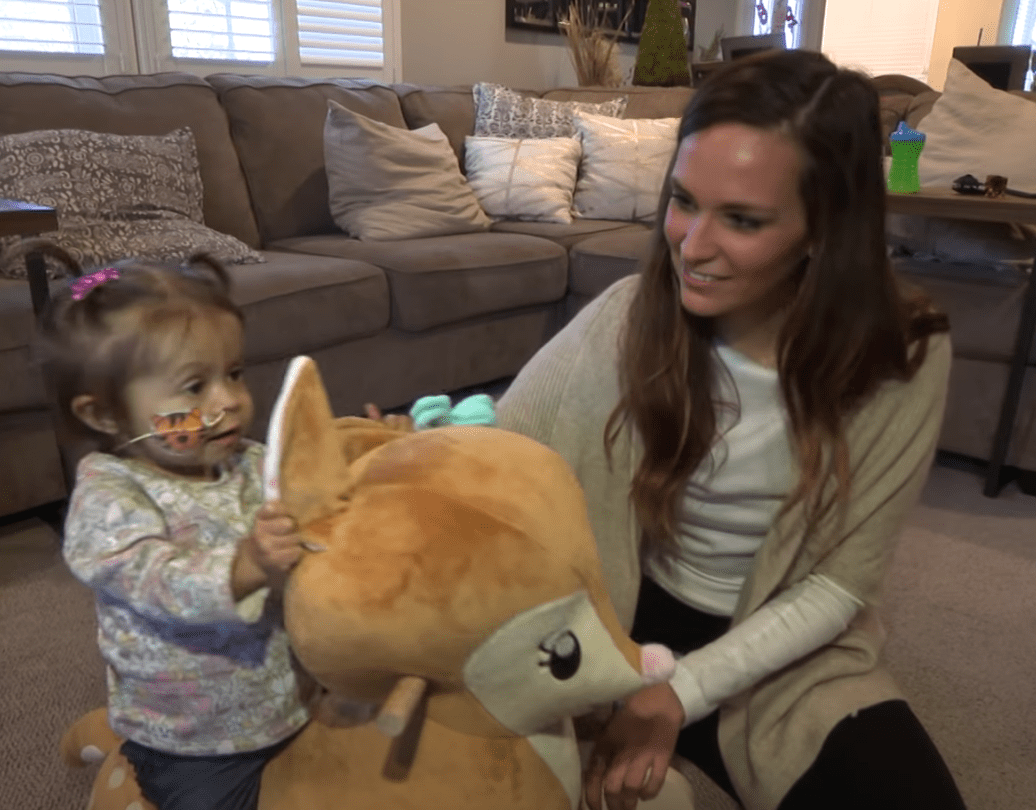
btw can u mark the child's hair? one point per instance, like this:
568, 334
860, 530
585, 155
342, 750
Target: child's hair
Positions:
95, 342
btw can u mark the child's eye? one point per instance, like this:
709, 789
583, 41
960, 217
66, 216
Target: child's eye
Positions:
194, 387
236, 373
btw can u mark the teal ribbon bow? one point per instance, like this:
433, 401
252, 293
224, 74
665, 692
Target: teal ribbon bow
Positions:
438, 411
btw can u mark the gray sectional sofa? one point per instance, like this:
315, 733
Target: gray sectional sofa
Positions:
386, 321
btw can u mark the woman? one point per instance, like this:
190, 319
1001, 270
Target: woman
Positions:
751, 417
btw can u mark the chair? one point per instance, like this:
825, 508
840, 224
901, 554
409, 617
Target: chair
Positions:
1003, 66
736, 47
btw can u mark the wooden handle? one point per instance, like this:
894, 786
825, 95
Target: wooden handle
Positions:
399, 706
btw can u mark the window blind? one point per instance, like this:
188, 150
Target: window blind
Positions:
233, 30
51, 26
881, 36
341, 32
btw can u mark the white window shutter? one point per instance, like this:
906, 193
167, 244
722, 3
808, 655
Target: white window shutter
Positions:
51, 26
66, 36
225, 30
346, 33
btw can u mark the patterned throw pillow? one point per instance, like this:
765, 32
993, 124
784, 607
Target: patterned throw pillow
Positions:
116, 196
503, 113
623, 166
529, 179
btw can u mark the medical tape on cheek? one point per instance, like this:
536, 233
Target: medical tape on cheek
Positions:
180, 431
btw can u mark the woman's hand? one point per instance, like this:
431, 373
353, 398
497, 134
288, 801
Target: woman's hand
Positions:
630, 758
269, 552
396, 421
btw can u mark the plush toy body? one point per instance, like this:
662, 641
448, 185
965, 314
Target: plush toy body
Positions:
459, 559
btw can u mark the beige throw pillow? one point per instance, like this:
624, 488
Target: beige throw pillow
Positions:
388, 183
976, 129
623, 167
523, 179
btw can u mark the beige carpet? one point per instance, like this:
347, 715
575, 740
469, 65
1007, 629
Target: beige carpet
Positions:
961, 611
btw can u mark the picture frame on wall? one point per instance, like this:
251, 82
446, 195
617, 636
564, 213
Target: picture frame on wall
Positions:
626, 16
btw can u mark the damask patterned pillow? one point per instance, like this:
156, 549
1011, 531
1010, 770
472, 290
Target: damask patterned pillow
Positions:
503, 113
116, 196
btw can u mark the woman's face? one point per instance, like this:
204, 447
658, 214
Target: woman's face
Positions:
736, 228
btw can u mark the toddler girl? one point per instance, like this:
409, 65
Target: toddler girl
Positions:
167, 525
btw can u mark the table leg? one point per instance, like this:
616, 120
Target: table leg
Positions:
36, 269
1013, 391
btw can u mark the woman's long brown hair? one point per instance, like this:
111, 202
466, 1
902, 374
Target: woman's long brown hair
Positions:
849, 328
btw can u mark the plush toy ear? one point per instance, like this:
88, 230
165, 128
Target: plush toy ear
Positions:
308, 451
303, 467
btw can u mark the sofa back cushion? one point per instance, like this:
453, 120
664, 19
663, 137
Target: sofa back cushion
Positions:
140, 105
452, 108
278, 127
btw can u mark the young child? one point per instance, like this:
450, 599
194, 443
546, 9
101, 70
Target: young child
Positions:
167, 525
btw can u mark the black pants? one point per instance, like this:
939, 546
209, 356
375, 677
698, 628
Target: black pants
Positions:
172, 782
880, 758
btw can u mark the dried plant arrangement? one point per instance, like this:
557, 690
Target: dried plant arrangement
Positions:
592, 43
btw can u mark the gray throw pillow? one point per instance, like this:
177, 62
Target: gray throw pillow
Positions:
387, 183
503, 113
116, 197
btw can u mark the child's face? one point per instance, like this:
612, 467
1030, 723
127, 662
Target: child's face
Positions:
200, 370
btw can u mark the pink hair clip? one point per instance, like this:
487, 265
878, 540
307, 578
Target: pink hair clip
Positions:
82, 285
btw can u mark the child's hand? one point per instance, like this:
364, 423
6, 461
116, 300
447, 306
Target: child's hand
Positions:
272, 549
396, 421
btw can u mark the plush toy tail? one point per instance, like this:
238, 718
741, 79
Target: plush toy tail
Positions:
88, 740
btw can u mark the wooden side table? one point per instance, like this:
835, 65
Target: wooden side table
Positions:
937, 202
18, 218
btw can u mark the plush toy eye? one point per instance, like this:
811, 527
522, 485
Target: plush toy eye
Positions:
564, 653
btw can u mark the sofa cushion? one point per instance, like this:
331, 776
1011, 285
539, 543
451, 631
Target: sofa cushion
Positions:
140, 105
387, 182
504, 113
567, 235
983, 304
642, 102
452, 108
443, 280
976, 129
115, 196
293, 304
273, 117
597, 262
623, 167
523, 178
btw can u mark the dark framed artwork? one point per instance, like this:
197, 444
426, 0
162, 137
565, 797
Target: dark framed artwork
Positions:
624, 16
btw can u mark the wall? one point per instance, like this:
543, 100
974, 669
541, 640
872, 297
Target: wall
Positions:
465, 41
958, 23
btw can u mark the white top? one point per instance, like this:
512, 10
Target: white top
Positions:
733, 497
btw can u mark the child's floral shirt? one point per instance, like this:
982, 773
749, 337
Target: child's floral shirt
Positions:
190, 671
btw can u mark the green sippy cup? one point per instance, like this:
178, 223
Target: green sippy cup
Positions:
906, 144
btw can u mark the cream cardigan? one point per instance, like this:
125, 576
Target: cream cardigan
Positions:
771, 733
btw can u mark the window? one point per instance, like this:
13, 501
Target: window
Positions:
859, 35
792, 20
1023, 32
51, 26
280, 37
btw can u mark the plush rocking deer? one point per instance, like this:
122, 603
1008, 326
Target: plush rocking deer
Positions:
452, 614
